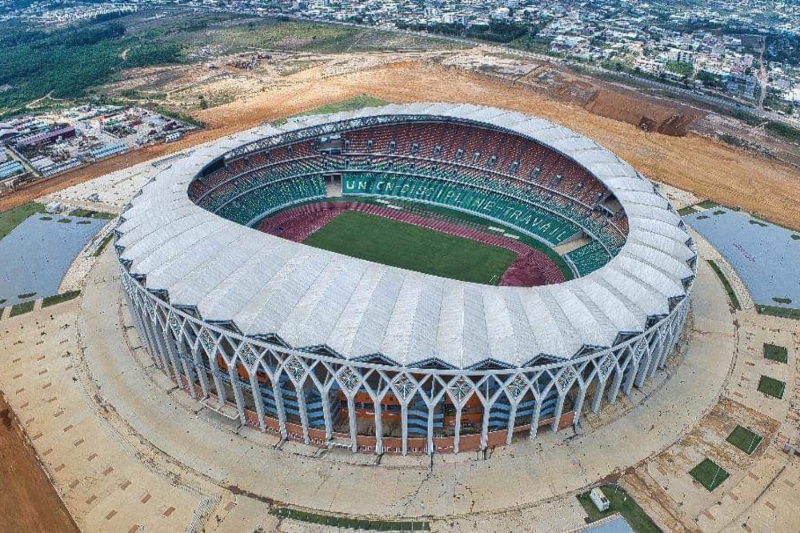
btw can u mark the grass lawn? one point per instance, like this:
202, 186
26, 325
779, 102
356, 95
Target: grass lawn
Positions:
22, 308
623, 504
709, 474
14, 217
744, 439
771, 386
350, 104
727, 284
475, 219
411, 247
783, 312
350, 523
58, 298
776, 353
102, 246
85, 213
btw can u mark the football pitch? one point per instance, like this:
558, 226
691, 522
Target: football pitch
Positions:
411, 247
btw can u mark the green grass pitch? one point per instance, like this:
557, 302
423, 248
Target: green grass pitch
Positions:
709, 474
771, 386
776, 353
411, 247
744, 439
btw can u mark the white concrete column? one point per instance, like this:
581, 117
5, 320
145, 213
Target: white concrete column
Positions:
404, 428
326, 412
562, 396
159, 354
201, 370
257, 399
301, 405
644, 367
152, 346
378, 427
278, 394
615, 384
537, 412
598, 395
221, 396
656, 357
351, 413
233, 375
485, 426
431, 413
631, 377
164, 337
457, 436
579, 403
512, 417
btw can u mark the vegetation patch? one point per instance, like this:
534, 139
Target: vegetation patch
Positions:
14, 217
783, 131
350, 523
103, 244
707, 204
782, 312
709, 474
622, 503
86, 213
688, 210
727, 284
412, 247
59, 298
350, 104
744, 439
680, 68
771, 387
776, 353
20, 309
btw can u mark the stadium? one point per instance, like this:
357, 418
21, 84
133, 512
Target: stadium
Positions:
423, 278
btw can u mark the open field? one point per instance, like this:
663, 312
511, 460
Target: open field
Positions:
411, 247
695, 163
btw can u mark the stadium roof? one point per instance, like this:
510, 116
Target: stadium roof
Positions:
309, 297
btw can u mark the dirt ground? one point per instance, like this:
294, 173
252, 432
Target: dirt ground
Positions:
28, 501
692, 162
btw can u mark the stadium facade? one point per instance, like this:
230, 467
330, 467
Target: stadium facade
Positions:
336, 351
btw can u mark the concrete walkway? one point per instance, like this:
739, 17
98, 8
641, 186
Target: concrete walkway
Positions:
525, 474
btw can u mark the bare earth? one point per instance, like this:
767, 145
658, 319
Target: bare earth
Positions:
695, 163
28, 501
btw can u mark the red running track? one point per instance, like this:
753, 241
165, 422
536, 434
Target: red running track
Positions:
530, 268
